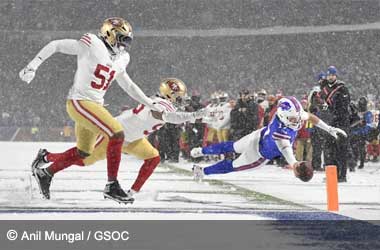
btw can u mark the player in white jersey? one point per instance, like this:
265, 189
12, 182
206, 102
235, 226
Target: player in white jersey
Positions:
140, 122
100, 59
373, 147
223, 124
212, 112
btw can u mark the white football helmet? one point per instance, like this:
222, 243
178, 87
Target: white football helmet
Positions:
290, 112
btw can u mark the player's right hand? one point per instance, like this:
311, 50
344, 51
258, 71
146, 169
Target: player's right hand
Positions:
196, 152
27, 74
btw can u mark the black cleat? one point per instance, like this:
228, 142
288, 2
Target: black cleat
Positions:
43, 179
342, 179
113, 191
39, 161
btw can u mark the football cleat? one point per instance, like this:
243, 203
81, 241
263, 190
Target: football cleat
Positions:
113, 191
43, 179
198, 173
196, 152
39, 161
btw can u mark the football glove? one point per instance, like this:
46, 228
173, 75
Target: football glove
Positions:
335, 131
27, 74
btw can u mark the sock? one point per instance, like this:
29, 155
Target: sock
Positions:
52, 157
113, 157
219, 148
221, 167
79, 163
145, 171
66, 159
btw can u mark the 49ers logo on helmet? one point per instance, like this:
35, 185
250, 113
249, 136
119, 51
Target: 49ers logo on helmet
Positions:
173, 86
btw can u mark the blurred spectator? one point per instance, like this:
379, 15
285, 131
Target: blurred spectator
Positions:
318, 136
271, 109
68, 131
361, 130
244, 116
337, 97
303, 141
194, 131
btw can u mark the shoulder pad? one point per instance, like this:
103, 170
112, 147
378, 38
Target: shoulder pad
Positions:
87, 39
167, 105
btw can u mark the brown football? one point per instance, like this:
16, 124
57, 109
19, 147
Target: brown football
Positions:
306, 171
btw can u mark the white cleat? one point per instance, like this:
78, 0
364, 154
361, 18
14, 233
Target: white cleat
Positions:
196, 152
198, 173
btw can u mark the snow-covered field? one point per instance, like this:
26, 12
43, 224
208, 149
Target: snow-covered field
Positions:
265, 193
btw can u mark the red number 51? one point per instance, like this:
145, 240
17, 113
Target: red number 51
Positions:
102, 72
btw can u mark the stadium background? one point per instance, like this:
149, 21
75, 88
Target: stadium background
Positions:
210, 44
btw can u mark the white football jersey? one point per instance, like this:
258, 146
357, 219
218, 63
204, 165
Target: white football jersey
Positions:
139, 122
212, 112
375, 116
224, 116
96, 69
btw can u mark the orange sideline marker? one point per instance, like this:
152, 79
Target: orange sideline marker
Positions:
332, 188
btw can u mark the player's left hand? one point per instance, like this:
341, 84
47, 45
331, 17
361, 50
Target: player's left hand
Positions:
335, 131
27, 74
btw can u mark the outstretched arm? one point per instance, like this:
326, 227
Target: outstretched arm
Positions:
135, 92
329, 129
286, 150
180, 117
65, 46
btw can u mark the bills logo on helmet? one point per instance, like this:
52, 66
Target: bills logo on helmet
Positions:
173, 86
285, 106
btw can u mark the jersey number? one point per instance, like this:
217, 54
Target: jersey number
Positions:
103, 72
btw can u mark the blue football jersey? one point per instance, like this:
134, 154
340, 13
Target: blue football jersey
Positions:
275, 130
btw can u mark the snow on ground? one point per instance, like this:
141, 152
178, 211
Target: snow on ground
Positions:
171, 194
358, 198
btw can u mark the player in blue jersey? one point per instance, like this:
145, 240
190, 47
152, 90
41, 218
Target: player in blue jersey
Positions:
262, 145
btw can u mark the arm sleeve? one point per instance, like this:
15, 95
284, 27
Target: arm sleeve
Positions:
65, 46
178, 117
286, 150
126, 83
